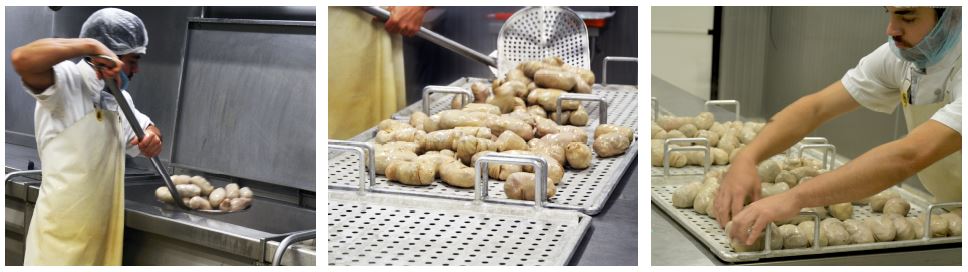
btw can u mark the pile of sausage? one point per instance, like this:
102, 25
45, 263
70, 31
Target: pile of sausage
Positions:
198, 194
511, 116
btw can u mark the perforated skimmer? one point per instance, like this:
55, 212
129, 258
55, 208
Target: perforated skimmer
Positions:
532, 33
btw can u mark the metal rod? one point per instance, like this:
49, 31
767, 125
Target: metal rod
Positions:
294, 238
384, 15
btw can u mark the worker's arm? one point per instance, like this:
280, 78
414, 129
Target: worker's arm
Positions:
34, 62
783, 130
872, 172
881, 167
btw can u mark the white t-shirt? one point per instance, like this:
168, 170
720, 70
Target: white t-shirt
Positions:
74, 94
877, 80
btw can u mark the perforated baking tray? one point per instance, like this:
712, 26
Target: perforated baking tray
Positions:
707, 230
658, 171
585, 191
389, 229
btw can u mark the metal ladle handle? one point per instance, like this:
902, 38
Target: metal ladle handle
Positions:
602, 105
384, 15
140, 133
540, 169
666, 150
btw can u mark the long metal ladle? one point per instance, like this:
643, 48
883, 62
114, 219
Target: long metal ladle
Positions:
138, 131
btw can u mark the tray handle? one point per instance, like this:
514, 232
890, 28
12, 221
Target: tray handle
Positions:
540, 168
367, 159
927, 218
602, 105
828, 162
707, 159
468, 96
613, 58
724, 102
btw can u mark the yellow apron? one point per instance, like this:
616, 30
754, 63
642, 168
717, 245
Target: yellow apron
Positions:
79, 217
942, 178
366, 80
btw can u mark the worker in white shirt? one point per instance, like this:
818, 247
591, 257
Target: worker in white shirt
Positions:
920, 68
81, 139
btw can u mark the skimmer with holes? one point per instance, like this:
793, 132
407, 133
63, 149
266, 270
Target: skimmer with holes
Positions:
534, 33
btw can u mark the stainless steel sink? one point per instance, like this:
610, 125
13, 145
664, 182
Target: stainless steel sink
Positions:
243, 234
265, 215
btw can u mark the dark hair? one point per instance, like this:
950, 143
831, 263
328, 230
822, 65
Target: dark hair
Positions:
939, 12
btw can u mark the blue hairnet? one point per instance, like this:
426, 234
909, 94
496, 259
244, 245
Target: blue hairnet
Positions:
119, 30
933, 47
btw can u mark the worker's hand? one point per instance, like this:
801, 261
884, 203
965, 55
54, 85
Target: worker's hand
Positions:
150, 145
740, 183
405, 20
750, 223
107, 64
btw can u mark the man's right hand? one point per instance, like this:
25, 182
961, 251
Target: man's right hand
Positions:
740, 183
107, 65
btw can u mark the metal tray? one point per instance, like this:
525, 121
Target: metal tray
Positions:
585, 191
367, 228
707, 230
659, 171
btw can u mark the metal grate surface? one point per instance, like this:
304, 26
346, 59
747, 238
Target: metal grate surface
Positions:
707, 230
383, 229
585, 190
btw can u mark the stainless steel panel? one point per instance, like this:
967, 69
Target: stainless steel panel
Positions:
247, 103
23, 25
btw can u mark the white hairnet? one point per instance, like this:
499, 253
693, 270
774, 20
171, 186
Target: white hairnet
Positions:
119, 30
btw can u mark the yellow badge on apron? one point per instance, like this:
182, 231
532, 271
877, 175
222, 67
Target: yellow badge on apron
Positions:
79, 216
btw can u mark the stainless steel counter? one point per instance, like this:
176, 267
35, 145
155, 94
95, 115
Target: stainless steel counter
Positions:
673, 245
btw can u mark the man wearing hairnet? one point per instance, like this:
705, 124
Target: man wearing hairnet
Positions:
81, 139
920, 68
366, 77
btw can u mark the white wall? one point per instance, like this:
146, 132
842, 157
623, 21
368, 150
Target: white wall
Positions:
682, 47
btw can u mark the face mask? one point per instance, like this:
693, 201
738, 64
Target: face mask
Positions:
124, 80
934, 46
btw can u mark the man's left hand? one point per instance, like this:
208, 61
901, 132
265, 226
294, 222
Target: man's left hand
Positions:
150, 145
